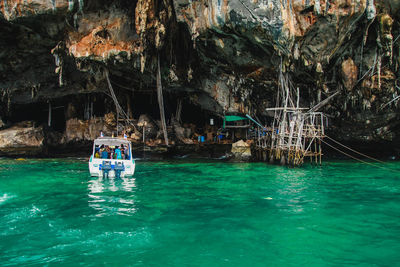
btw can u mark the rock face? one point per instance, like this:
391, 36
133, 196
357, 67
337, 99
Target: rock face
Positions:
22, 139
241, 151
349, 74
222, 56
85, 130
150, 128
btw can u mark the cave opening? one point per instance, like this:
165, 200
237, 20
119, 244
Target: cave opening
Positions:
146, 102
39, 114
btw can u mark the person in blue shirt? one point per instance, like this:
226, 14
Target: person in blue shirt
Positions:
104, 154
118, 153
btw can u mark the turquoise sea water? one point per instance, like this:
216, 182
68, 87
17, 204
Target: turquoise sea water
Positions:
199, 214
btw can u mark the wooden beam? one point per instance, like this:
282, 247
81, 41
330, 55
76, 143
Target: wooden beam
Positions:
287, 108
161, 102
237, 127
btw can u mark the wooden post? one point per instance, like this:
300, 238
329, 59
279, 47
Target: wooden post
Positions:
144, 140
178, 110
320, 152
49, 118
117, 121
315, 152
129, 107
291, 124
91, 109
283, 161
161, 102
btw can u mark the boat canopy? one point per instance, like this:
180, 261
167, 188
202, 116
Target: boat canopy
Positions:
109, 141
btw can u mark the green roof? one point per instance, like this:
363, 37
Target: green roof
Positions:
234, 118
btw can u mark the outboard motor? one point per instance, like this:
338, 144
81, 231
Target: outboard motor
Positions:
118, 168
106, 167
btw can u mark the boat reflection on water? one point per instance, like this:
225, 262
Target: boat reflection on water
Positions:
112, 196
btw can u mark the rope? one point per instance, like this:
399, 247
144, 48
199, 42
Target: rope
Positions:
117, 105
391, 101
359, 153
357, 159
309, 145
161, 101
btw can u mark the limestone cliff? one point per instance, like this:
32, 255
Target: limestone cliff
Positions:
219, 55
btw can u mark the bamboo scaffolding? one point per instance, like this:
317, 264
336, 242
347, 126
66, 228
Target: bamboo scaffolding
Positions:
295, 131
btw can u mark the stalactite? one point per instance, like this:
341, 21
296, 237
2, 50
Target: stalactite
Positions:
385, 38
178, 110
8, 100
142, 62
70, 5
56, 59
59, 61
319, 94
370, 9
317, 7
75, 16
5, 8
81, 5
371, 14
327, 6
129, 107
379, 64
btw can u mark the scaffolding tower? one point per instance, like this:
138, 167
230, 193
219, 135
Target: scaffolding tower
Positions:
295, 133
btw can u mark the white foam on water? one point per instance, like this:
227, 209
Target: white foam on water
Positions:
5, 197
34, 210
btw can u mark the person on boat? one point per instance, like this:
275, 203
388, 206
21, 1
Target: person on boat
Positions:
118, 153
112, 153
122, 155
123, 149
126, 152
104, 154
109, 154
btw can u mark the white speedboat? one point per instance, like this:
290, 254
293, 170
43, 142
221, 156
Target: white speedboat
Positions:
107, 161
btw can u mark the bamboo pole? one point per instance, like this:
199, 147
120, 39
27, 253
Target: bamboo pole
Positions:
161, 101
49, 117
91, 110
178, 110
129, 107
320, 152
117, 120
315, 152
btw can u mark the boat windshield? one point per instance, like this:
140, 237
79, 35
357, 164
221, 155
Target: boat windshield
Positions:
112, 148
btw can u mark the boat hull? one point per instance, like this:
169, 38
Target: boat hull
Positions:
95, 167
